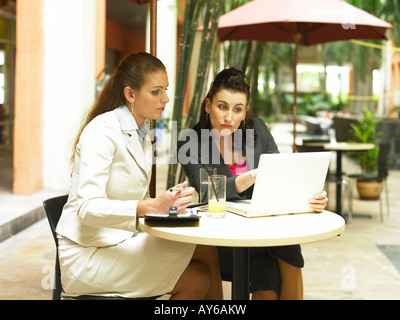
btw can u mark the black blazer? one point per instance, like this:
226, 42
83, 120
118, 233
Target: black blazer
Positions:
197, 150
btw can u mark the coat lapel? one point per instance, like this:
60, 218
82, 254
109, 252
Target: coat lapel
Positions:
148, 154
141, 155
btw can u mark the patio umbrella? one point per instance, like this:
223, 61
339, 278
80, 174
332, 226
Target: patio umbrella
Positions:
301, 22
153, 51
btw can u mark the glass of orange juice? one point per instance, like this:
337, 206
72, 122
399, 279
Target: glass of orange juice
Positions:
216, 196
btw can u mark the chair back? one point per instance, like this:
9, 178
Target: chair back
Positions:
309, 148
383, 171
53, 208
343, 129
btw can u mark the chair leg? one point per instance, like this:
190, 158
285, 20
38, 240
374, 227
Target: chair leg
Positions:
380, 201
387, 197
345, 197
350, 200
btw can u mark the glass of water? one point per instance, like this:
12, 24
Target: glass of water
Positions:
204, 173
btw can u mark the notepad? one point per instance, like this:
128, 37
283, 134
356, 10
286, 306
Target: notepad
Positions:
190, 214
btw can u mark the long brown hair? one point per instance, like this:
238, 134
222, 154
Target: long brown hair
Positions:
131, 72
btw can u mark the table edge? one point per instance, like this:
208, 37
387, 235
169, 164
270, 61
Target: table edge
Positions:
240, 242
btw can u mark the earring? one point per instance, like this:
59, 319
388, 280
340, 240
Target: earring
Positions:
207, 116
243, 123
132, 106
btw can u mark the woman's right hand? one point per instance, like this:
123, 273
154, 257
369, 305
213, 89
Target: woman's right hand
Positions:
162, 203
245, 180
179, 199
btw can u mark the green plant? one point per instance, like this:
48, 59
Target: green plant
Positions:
365, 132
209, 11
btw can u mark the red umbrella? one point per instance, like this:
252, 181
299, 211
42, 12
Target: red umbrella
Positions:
304, 22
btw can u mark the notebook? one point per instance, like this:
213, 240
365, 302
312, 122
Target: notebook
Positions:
285, 184
190, 214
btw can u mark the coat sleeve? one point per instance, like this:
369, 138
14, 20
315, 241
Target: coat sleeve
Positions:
96, 154
189, 157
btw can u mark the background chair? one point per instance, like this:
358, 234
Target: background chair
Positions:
53, 208
342, 126
380, 177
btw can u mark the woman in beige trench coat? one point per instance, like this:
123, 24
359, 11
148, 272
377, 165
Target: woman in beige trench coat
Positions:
101, 250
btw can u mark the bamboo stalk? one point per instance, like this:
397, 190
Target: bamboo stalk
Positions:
185, 54
213, 11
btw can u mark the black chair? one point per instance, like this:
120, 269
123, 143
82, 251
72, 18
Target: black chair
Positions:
380, 177
343, 129
53, 208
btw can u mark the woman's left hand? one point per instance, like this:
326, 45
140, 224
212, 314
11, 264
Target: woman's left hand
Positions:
319, 202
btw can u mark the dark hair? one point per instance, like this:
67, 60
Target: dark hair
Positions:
230, 79
131, 72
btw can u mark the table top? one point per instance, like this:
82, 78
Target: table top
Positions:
349, 146
238, 231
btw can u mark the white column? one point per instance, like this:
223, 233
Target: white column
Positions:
69, 82
167, 19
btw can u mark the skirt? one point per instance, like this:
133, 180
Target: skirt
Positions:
264, 268
141, 266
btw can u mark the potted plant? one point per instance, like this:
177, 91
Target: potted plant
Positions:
365, 132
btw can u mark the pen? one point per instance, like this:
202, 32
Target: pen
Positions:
176, 189
194, 205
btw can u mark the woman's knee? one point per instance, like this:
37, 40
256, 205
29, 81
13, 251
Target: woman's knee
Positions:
206, 254
198, 279
194, 282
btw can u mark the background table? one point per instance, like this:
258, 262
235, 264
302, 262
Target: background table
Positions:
241, 233
339, 147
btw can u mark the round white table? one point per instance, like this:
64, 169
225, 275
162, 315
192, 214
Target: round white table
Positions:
340, 147
240, 233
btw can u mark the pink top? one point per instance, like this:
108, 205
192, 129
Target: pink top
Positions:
238, 168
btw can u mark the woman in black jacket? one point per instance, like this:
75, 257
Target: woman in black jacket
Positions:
228, 139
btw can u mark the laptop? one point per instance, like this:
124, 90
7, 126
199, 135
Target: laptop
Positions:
285, 184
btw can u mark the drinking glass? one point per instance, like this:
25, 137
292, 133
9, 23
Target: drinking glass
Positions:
204, 173
216, 196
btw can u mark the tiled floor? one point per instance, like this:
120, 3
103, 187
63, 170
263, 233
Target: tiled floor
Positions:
27, 264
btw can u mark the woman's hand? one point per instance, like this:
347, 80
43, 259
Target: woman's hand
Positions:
162, 203
245, 180
179, 199
319, 202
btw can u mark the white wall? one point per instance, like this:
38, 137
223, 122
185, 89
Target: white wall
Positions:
69, 82
166, 43
69, 76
